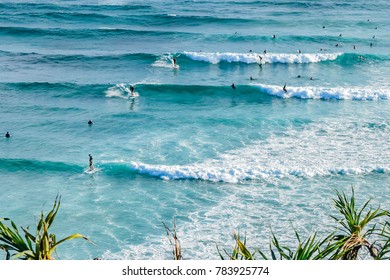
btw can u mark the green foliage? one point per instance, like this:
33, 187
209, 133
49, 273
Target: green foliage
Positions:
40, 246
240, 251
308, 249
357, 226
355, 229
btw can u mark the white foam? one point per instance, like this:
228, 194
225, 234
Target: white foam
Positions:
266, 58
165, 61
297, 154
121, 91
339, 93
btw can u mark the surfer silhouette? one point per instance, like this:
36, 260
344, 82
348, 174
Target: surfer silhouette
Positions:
284, 88
233, 86
90, 162
90, 122
7, 135
132, 90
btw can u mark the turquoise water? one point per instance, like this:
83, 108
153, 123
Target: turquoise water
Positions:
190, 147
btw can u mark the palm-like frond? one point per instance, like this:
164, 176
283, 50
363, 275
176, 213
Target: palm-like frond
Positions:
38, 247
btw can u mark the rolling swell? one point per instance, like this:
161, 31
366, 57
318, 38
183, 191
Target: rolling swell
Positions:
31, 165
82, 33
113, 168
72, 90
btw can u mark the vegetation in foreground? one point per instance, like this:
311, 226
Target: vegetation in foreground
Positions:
360, 233
40, 246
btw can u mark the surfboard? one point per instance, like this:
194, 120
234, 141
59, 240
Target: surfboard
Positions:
93, 171
134, 95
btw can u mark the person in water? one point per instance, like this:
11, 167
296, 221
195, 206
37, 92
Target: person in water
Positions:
174, 62
90, 162
284, 88
7, 135
90, 122
233, 86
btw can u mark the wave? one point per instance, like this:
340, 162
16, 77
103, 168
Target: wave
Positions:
120, 90
261, 58
316, 149
33, 57
109, 168
32, 165
338, 93
83, 33
235, 174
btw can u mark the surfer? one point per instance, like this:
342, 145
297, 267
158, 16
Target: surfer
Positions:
132, 90
233, 86
284, 88
260, 60
90, 122
90, 162
174, 62
7, 135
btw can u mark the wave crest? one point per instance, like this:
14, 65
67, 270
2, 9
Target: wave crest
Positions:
338, 93
265, 58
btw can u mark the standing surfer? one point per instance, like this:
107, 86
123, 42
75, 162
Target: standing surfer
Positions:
132, 90
284, 88
90, 163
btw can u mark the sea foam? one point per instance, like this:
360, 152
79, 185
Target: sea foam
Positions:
338, 93
265, 58
322, 149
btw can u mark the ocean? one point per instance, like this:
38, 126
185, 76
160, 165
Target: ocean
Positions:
190, 148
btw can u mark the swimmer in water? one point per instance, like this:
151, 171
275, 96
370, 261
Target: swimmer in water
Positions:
90, 162
7, 135
233, 86
90, 122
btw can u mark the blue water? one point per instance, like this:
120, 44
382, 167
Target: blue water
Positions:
190, 147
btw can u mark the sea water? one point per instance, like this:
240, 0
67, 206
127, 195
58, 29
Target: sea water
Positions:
190, 148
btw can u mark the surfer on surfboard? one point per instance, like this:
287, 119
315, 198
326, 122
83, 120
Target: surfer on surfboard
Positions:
174, 62
90, 163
